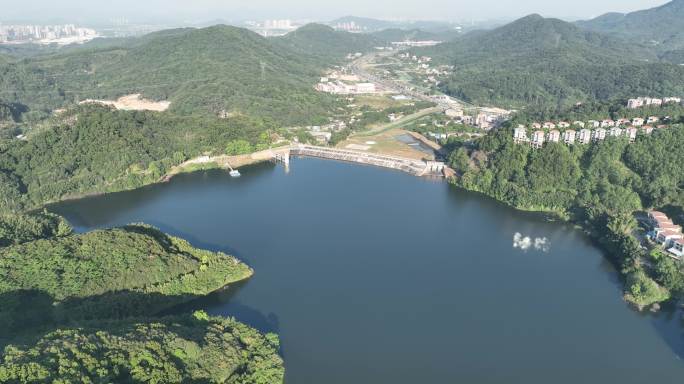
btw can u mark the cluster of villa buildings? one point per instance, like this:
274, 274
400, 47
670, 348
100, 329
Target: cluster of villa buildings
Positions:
665, 233
585, 133
646, 101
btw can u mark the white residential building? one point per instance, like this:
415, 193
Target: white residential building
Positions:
538, 139
677, 249
520, 135
615, 132
584, 136
599, 134
637, 122
569, 136
554, 136
631, 133
667, 238
607, 123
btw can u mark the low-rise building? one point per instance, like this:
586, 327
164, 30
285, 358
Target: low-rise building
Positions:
607, 123
615, 132
647, 129
569, 136
624, 122
637, 122
554, 136
579, 124
599, 134
634, 103
677, 249
538, 139
584, 136
520, 135
593, 124
536, 126
549, 125
667, 238
563, 124
652, 120
631, 133
656, 216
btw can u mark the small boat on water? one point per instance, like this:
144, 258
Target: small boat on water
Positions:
234, 173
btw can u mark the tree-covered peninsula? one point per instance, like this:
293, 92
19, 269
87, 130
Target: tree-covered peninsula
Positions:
181, 349
87, 307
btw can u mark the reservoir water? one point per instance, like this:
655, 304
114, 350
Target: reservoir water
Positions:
375, 276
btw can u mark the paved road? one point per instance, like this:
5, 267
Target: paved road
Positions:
400, 123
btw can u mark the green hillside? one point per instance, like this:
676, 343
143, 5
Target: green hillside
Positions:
538, 61
117, 273
181, 349
661, 27
326, 46
208, 70
95, 149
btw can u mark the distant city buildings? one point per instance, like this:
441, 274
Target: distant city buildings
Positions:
45, 34
269, 28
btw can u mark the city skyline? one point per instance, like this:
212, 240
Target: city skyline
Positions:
205, 10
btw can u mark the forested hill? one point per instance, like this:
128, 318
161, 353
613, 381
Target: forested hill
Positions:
182, 349
208, 70
539, 61
325, 45
661, 27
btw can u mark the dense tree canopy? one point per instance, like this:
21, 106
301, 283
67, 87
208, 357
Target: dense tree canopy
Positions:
189, 348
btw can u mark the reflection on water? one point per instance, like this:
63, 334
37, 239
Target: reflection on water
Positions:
373, 276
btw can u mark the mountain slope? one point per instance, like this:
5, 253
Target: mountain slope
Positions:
324, 45
550, 62
208, 70
661, 26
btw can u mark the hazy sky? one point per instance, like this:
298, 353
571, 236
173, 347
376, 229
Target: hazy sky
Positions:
82, 10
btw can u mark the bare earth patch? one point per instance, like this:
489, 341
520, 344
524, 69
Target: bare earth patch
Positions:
132, 103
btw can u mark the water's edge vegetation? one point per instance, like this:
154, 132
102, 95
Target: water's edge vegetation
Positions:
600, 187
101, 293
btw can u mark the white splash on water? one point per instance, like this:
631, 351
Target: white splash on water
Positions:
526, 243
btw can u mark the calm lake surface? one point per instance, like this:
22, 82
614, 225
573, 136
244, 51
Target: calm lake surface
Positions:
375, 276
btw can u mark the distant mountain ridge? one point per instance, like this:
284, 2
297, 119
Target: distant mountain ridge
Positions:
208, 70
540, 61
325, 45
662, 27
